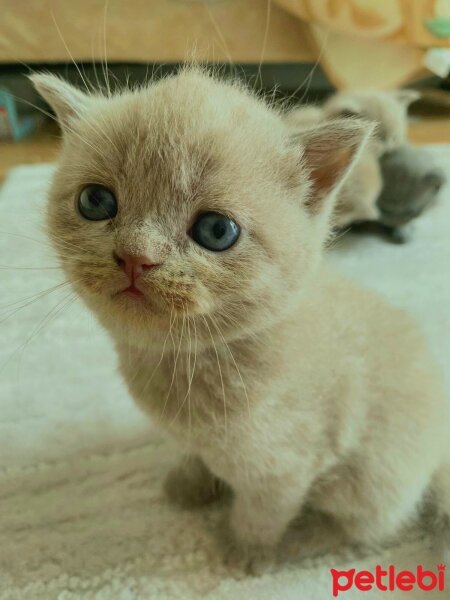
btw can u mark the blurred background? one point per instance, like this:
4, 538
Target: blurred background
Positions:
301, 49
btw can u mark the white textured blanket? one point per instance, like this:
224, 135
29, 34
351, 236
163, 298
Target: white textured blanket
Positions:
82, 514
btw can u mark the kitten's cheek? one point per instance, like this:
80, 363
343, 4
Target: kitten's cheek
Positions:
95, 287
93, 283
201, 302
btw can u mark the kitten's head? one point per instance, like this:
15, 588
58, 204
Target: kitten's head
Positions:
387, 109
190, 197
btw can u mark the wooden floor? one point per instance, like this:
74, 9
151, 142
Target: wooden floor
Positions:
43, 146
40, 147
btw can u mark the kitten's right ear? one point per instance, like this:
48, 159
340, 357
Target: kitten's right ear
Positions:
67, 101
329, 153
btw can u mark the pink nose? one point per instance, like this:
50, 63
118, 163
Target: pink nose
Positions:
133, 265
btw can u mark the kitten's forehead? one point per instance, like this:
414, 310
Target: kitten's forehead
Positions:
176, 138
186, 110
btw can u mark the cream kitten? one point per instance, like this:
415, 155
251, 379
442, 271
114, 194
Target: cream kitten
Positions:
192, 223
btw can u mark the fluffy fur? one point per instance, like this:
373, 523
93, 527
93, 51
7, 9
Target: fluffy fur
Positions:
282, 381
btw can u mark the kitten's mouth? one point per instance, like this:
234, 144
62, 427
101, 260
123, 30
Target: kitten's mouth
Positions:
153, 299
133, 291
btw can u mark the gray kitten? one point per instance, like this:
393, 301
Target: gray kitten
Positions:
411, 183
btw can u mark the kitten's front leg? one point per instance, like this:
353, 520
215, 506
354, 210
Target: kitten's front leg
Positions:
191, 484
259, 518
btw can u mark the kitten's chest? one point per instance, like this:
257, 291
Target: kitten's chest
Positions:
187, 388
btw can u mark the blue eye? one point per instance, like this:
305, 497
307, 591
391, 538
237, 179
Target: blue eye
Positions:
215, 232
97, 203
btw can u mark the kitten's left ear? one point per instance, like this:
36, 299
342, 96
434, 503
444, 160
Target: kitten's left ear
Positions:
406, 97
67, 101
329, 154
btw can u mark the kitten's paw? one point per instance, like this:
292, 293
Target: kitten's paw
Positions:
250, 559
191, 485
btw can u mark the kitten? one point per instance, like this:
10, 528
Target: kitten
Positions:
388, 109
192, 222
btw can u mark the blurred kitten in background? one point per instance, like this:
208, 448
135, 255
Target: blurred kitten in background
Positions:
392, 182
389, 110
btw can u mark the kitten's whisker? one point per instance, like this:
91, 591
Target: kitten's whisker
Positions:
190, 379
29, 300
47, 321
105, 15
334, 241
174, 368
220, 34
313, 70
146, 74
102, 133
26, 237
53, 118
73, 131
172, 339
67, 48
48, 317
42, 242
38, 108
216, 325
221, 378
180, 362
263, 50
308, 79
64, 246
162, 353
272, 99
97, 150
193, 368
228, 319
94, 62
16, 268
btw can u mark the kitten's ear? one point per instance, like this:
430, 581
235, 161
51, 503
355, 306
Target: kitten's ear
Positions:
66, 100
329, 153
406, 97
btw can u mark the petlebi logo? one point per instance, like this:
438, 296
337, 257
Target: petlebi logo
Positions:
388, 580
